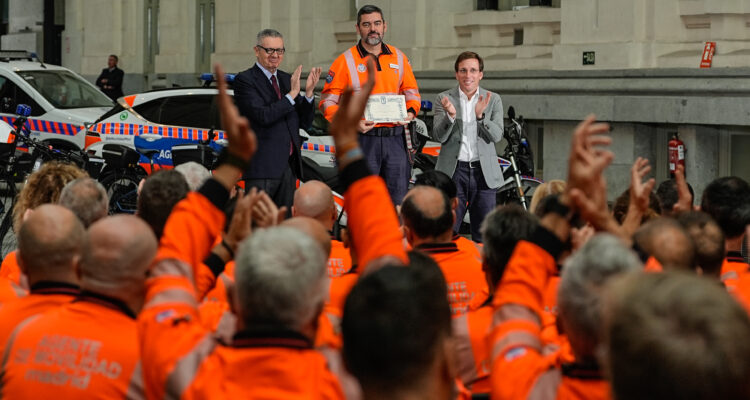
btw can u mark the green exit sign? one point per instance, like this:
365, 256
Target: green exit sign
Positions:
589, 58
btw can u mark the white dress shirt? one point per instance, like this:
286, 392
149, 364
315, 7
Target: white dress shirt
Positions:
468, 151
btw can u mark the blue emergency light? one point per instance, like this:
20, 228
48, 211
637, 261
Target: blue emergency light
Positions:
23, 110
426, 105
209, 77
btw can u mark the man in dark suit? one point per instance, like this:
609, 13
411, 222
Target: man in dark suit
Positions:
110, 80
270, 99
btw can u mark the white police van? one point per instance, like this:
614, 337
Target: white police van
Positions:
62, 102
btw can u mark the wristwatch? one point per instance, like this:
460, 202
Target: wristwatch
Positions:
480, 118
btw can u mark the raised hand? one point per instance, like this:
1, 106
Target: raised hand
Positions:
266, 213
684, 198
347, 119
294, 90
587, 160
312, 79
240, 225
640, 194
448, 107
482, 104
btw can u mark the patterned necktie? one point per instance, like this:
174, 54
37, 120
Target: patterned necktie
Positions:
275, 86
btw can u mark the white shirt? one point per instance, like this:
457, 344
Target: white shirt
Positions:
468, 151
268, 75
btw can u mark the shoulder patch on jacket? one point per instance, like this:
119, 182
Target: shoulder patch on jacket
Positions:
329, 77
514, 353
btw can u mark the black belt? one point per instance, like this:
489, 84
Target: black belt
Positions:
467, 164
385, 131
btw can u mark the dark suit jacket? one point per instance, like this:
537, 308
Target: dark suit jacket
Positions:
276, 122
114, 79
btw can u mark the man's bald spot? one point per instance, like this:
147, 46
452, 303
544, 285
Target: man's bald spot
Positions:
121, 248
313, 199
666, 240
428, 200
50, 239
314, 229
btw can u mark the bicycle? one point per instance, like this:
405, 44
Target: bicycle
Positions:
15, 166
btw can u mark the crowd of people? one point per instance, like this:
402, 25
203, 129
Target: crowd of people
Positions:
214, 292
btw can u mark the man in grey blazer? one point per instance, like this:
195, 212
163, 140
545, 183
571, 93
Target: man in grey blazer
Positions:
468, 122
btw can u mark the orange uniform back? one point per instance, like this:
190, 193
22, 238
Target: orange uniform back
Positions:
44, 296
340, 259
470, 331
462, 271
84, 349
10, 269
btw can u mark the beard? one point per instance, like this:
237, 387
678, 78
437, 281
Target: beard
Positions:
374, 40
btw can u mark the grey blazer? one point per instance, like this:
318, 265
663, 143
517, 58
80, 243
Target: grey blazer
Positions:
489, 132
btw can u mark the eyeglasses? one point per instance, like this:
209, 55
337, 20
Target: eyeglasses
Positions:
468, 71
271, 51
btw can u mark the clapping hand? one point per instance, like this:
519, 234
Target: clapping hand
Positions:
448, 107
312, 79
295, 87
482, 103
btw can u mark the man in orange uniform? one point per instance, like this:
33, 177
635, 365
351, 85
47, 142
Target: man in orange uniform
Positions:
50, 248
428, 225
501, 230
522, 366
88, 348
384, 144
314, 199
727, 200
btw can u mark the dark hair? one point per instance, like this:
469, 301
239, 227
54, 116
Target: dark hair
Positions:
727, 200
708, 240
393, 324
423, 226
160, 193
668, 196
676, 336
369, 9
117, 59
467, 55
439, 180
501, 230
620, 208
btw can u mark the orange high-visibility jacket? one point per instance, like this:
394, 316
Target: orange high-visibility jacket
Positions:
340, 259
733, 266
84, 349
393, 76
470, 331
519, 368
182, 359
10, 269
10, 291
43, 296
462, 271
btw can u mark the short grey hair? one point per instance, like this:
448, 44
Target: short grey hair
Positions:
194, 173
268, 33
584, 276
280, 277
87, 198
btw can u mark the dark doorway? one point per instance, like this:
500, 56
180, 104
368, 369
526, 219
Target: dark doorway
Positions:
54, 24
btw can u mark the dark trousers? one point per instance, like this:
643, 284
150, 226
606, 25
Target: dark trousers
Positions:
280, 190
473, 194
386, 157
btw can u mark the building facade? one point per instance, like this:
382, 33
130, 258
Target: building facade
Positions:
633, 63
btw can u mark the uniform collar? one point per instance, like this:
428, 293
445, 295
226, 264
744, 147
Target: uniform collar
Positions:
362, 52
433, 248
735, 256
52, 287
105, 301
271, 337
582, 370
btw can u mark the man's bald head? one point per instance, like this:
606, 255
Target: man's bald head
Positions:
121, 249
50, 244
666, 240
87, 198
314, 199
426, 211
312, 228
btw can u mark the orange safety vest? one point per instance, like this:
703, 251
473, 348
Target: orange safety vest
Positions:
84, 349
10, 291
732, 268
393, 76
462, 271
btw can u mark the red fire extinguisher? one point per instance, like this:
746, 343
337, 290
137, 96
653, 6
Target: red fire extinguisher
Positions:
676, 154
